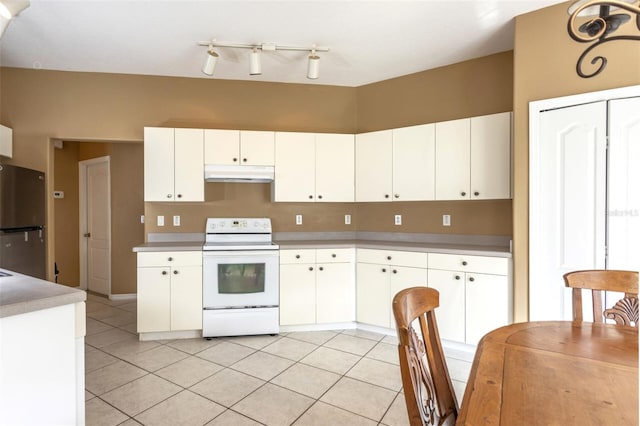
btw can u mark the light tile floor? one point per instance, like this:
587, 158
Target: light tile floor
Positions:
348, 377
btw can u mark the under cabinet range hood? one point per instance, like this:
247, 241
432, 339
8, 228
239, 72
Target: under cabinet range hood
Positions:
238, 173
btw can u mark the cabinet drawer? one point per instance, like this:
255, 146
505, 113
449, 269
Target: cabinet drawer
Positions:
466, 263
297, 256
169, 258
392, 257
343, 255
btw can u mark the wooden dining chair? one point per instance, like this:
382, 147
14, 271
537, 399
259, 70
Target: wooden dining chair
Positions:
428, 391
624, 312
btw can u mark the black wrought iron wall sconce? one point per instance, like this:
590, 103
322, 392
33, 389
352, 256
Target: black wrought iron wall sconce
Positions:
599, 27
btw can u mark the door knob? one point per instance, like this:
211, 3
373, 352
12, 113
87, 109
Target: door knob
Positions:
87, 235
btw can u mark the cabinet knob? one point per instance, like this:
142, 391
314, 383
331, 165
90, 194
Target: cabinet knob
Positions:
396, 195
321, 268
476, 193
394, 271
179, 195
384, 269
464, 263
311, 268
386, 195
297, 256
388, 257
175, 272
333, 255
310, 197
169, 195
463, 193
457, 277
320, 197
235, 159
244, 160
170, 259
472, 279
164, 272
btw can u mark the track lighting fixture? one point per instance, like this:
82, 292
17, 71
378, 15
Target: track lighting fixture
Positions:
313, 68
10, 8
254, 62
255, 65
210, 63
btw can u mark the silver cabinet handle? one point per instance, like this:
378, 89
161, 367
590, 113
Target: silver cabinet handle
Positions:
175, 272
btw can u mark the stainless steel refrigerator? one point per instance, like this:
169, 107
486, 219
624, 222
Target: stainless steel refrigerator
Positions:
22, 217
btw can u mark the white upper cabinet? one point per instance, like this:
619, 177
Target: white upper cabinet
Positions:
414, 163
453, 157
473, 158
335, 164
173, 164
374, 166
313, 167
245, 147
491, 156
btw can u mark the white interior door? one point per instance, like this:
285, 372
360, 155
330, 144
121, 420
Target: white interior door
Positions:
567, 205
96, 232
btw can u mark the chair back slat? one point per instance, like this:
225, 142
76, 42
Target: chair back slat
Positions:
624, 312
428, 391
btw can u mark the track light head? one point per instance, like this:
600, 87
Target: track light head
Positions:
313, 67
210, 63
255, 67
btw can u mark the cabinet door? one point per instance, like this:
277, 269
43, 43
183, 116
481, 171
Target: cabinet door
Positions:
414, 172
221, 146
487, 305
491, 156
374, 166
189, 165
186, 298
453, 177
158, 164
372, 298
295, 167
257, 148
335, 293
402, 277
335, 164
451, 312
297, 294
154, 306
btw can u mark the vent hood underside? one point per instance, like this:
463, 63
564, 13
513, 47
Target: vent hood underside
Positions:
238, 173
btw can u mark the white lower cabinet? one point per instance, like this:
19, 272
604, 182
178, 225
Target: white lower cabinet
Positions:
169, 291
380, 275
474, 295
316, 286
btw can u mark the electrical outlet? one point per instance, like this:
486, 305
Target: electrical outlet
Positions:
347, 219
160, 220
176, 221
298, 219
141, 218
397, 220
446, 220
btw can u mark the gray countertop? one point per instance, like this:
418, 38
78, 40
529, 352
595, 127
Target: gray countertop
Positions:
432, 243
20, 294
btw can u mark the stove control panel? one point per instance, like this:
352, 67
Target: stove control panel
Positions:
238, 226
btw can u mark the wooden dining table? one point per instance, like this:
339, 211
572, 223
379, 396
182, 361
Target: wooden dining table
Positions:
554, 373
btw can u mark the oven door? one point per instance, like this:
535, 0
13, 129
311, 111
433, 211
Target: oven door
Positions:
238, 279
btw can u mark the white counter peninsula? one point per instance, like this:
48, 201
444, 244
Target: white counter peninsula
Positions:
42, 329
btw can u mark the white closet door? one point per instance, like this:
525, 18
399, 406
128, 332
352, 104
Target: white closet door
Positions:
624, 181
567, 205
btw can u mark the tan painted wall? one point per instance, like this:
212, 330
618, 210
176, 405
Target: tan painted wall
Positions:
45, 105
544, 68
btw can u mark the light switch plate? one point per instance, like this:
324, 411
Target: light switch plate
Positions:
160, 220
347, 219
298, 219
141, 218
446, 220
397, 220
176, 220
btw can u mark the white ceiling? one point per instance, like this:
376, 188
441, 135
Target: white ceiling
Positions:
369, 40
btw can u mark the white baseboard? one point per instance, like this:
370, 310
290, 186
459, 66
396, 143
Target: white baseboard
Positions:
131, 296
170, 335
318, 327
